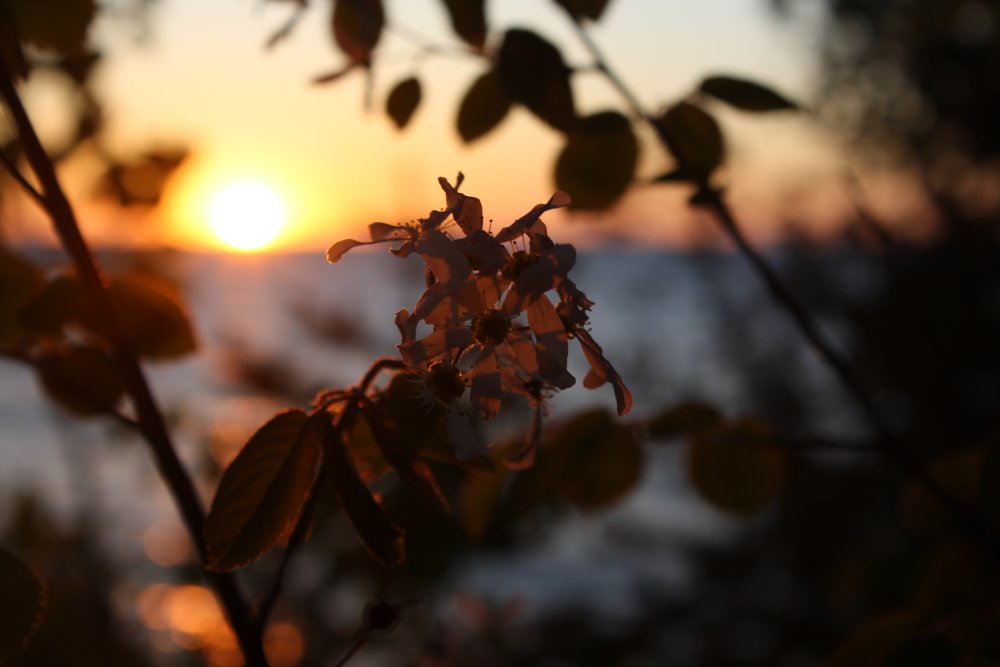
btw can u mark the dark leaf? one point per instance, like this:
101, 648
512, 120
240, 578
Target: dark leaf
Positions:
588, 9
683, 418
959, 472
468, 20
484, 106
694, 138
870, 645
330, 77
598, 161
738, 467
937, 650
153, 321
59, 302
262, 492
989, 483
382, 539
84, 380
55, 25
403, 101
745, 95
357, 26
19, 281
10, 48
22, 605
606, 460
535, 75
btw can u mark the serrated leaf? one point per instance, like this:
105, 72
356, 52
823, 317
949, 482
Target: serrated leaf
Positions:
84, 380
262, 492
154, 322
694, 137
468, 20
598, 161
683, 418
403, 101
483, 107
588, 9
383, 539
55, 25
534, 74
745, 95
737, 467
357, 27
22, 605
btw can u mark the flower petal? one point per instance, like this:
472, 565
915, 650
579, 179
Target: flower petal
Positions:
464, 436
467, 211
486, 386
524, 224
525, 458
552, 348
433, 345
602, 371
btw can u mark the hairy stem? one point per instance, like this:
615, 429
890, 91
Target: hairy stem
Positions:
150, 419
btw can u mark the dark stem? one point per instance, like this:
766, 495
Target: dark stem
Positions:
21, 180
149, 418
379, 365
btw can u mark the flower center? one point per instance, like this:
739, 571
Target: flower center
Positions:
444, 382
517, 263
490, 328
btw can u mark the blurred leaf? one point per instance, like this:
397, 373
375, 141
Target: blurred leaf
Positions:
10, 45
262, 492
142, 181
468, 20
959, 472
357, 26
535, 75
484, 106
989, 483
738, 467
870, 645
683, 418
153, 321
60, 301
380, 536
588, 9
84, 380
937, 650
22, 605
57, 25
19, 281
745, 95
694, 138
403, 101
598, 161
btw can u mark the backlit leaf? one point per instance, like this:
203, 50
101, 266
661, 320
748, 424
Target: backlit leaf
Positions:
682, 418
738, 467
468, 20
58, 25
357, 26
262, 492
745, 95
606, 460
84, 380
484, 106
153, 321
379, 535
598, 161
22, 605
535, 75
403, 101
588, 9
694, 138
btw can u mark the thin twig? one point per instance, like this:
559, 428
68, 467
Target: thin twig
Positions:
16, 174
379, 365
150, 419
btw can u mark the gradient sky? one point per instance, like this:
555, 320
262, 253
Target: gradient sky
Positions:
205, 79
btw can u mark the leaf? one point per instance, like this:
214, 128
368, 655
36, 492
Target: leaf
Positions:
59, 302
468, 20
738, 467
357, 26
745, 95
56, 25
937, 650
871, 644
403, 101
535, 75
151, 319
606, 460
484, 106
262, 492
682, 418
382, 538
10, 49
598, 161
694, 138
588, 9
23, 598
19, 281
959, 472
989, 483
84, 380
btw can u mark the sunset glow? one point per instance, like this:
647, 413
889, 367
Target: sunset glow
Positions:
246, 216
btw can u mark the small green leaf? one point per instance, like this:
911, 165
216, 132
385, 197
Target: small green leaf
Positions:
694, 138
598, 161
84, 380
588, 9
357, 27
22, 605
683, 418
937, 650
403, 101
484, 106
262, 492
745, 95
381, 537
738, 467
468, 20
151, 318
535, 75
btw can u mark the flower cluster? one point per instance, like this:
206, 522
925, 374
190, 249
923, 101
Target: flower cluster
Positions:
489, 303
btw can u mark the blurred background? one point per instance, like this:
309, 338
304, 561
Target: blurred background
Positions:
200, 153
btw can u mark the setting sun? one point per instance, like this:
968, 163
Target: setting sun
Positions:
246, 216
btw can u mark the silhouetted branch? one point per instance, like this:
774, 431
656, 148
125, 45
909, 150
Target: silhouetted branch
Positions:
21, 180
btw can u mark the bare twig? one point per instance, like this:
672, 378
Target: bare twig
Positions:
16, 174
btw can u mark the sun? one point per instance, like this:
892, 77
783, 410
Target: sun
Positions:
246, 216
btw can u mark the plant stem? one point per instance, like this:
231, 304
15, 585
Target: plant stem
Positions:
150, 419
